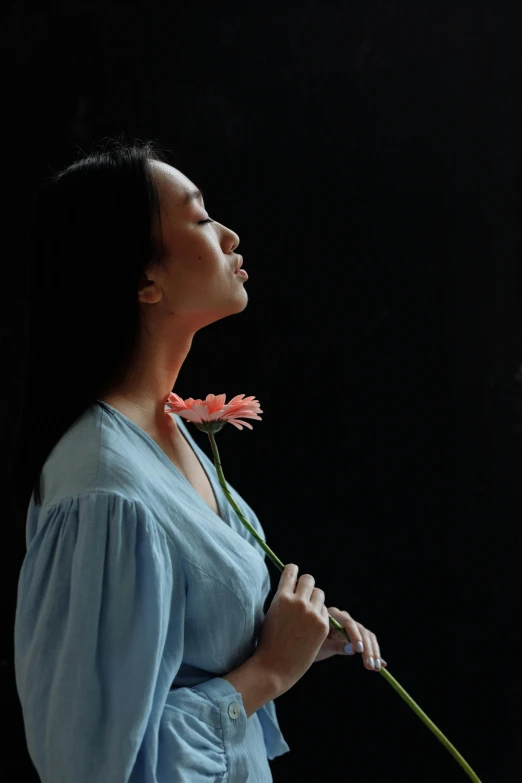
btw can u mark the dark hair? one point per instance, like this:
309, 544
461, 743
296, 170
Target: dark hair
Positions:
93, 236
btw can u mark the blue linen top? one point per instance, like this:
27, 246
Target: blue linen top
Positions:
134, 599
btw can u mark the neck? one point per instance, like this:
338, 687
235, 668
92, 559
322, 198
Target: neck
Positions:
151, 378
153, 420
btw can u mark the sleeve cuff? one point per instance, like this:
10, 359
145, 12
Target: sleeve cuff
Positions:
233, 723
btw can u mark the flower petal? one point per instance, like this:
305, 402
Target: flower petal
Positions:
220, 400
202, 410
190, 415
236, 422
216, 415
235, 399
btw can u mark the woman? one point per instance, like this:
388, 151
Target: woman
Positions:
138, 647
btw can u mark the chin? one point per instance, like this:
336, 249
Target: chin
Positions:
243, 304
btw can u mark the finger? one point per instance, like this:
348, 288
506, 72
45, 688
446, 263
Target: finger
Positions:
324, 615
370, 656
288, 578
350, 626
346, 648
375, 643
367, 651
317, 598
305, 585
377, 657
342, 646
376, 651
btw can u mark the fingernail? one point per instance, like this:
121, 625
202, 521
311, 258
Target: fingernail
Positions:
378, 664
370, 662
359, 647
348, 648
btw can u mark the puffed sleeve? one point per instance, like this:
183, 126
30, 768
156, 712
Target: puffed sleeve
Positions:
98, 640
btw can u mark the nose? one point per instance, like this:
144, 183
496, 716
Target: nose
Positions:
234, 239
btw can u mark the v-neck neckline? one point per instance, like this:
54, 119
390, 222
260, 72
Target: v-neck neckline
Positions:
164, 458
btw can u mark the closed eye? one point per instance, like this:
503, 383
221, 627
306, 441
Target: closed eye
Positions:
207, 220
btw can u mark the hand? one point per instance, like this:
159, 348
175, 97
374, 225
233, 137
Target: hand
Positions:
335, 641
294, 628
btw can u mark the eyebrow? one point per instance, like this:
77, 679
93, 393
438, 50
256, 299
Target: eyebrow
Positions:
193, 195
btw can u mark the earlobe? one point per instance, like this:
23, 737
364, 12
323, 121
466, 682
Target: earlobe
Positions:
149, 296
148, 292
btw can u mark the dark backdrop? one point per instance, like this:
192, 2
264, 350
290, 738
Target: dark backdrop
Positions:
368, 155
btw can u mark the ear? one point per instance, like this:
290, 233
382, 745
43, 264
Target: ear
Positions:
148, 291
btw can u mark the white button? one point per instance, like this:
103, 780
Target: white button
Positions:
234, 710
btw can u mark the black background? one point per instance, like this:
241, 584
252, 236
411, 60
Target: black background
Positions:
368, 156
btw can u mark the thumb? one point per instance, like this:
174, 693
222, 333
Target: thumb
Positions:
345, 648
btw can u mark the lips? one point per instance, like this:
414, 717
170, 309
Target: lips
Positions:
240, 264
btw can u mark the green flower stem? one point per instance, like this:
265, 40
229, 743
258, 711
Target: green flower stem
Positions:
386, 674
273, 557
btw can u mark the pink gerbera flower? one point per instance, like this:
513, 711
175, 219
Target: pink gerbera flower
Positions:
211, 414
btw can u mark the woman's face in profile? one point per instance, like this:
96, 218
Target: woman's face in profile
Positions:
197, 282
